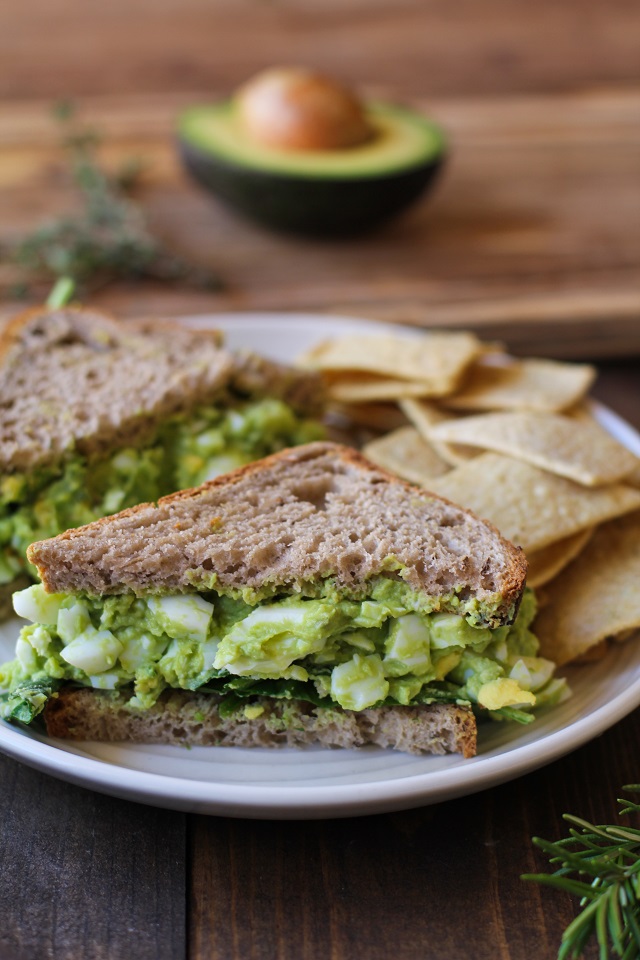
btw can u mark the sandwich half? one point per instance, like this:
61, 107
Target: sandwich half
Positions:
97, 415
307, 597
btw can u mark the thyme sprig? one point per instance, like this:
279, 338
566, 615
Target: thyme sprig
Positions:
108, 238
608, 858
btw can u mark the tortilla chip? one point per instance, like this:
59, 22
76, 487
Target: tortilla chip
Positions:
597, 596
365, 387
425, 416
529, 506
437, 360
376, 417
545, 564
547, 385
405, 453
578, 449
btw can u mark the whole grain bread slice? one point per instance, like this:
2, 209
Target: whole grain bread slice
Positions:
77, 379
283, 524
182, 717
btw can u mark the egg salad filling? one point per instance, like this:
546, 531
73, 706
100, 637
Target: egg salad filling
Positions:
395, 646
185, 451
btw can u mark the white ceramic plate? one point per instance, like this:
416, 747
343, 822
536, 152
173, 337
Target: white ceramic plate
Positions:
298, 784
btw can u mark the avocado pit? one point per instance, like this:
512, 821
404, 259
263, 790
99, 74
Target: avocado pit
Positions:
295, 109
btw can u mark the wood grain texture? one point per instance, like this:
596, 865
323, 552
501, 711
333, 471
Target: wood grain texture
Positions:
86, 876
531, 236
438, 883
424, 47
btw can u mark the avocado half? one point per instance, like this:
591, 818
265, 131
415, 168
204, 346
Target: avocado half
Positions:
317, 192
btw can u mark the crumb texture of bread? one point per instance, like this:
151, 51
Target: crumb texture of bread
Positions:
77, 379
183, 717
319, 511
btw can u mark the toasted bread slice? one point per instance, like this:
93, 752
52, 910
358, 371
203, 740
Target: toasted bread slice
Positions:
182, 717
286, 523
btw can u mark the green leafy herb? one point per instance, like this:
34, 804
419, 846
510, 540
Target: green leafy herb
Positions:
230, 705
26, 702
601, 865
108, 239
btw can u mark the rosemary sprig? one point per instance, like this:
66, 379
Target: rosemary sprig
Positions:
608, 858
108, 239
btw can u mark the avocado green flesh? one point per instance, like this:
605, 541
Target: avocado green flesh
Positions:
384, 649
403, 139
186, 451
314, 193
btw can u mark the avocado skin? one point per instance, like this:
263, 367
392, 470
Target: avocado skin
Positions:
304, 205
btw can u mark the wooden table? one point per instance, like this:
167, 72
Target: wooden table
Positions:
86, 876
532, 236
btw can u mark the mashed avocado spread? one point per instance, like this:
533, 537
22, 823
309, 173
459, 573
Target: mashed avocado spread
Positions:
186, 451
393, 647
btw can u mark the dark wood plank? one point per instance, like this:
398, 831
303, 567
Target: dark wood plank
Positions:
439, 883
424, 47
86, 876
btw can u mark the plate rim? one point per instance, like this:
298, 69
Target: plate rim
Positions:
293, 801
305, 802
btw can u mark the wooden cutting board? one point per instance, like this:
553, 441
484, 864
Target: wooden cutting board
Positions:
532, 236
